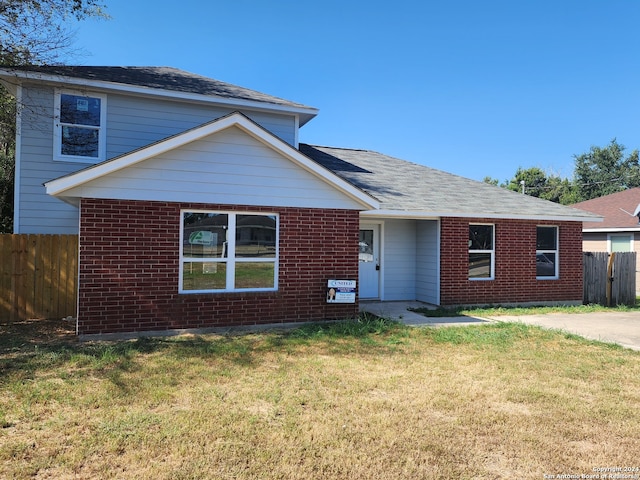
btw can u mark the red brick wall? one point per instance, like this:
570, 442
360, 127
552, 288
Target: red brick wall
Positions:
129, 264
515, 264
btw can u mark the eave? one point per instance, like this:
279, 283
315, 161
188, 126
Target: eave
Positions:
304, 114
420, 215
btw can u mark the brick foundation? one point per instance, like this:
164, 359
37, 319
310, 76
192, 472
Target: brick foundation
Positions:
515, 264
129, 264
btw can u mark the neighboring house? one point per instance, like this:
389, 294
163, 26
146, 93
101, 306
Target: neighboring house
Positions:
620, 227
197, 206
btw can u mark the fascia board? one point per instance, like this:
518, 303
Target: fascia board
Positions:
58, 186
611, 230
402, 214
305, 113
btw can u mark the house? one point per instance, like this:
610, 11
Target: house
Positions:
197, 206
620, 227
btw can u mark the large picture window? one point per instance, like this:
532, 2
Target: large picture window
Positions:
547, 252
80, 127
481, 252
226, 252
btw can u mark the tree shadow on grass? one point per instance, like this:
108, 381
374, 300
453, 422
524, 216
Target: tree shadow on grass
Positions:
27, 347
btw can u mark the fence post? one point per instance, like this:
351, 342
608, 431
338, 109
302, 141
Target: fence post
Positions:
612, 256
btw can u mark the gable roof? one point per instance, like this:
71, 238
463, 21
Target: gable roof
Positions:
167, 81
618, 210
60, 187
408, 189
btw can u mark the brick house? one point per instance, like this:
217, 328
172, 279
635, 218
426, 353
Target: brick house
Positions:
197, 206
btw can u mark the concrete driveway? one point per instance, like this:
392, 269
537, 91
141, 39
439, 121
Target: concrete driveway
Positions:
622, 328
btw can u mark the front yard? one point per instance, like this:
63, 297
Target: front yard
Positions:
348, 401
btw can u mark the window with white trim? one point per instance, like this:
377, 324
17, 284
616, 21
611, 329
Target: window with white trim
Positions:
481, 252
546, 252
79, 128
228, 252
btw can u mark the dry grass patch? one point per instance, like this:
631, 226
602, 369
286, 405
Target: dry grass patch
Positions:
383, 401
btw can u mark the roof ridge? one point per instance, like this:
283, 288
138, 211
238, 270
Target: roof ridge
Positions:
341, 148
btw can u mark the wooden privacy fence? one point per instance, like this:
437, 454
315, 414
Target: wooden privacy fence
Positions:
38, 276
610, 278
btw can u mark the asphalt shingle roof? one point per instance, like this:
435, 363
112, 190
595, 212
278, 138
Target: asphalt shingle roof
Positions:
409, 187
164, 78
617, 209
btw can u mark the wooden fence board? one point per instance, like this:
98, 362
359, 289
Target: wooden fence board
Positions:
38, 276
622, 282
624, 279
5, 279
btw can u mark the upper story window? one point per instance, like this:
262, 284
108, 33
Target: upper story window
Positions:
79, 133
547, 252
228, 252
481, 252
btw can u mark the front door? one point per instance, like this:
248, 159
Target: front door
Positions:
369, 261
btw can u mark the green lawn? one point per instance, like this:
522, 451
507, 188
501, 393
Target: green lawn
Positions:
351, 400
494, 311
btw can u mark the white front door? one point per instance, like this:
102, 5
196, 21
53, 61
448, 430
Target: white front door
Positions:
369, 261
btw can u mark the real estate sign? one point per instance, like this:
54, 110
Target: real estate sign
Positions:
341, 291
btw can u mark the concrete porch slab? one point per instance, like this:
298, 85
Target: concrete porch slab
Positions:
400, 312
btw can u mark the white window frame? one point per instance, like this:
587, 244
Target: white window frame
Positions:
492, 252
556, 275
230, 260
57, 128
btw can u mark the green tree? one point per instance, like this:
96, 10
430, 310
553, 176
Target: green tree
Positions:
37, 32
539, 184
491, 181
603, 171
535, 181
32, 32
560, 190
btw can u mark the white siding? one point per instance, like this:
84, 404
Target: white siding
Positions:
132, 123
39, 212
427, 262
399, 268
229, 167
410, 260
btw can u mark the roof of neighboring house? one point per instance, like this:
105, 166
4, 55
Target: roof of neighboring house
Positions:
617, 209
155, 78
413, 190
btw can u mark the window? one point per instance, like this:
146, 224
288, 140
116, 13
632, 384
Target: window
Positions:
79, 133
481, 252
621, 243
227, 252
547, 252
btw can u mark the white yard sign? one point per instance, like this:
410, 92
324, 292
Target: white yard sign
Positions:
341, 291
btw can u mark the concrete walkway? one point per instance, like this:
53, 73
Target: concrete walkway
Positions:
399, 311
622, 328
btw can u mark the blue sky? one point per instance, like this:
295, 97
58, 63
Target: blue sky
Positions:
476, 88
